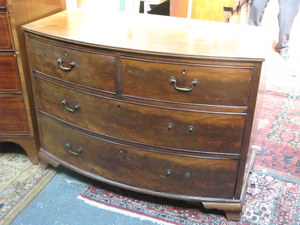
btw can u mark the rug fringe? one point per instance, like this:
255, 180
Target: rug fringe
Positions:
29, 196
124, 212
277, 175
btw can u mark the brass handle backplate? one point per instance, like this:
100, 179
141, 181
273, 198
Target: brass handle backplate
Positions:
74, 152
64, 102
60, 61
194, 82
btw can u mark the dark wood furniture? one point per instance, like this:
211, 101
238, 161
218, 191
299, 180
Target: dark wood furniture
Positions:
16, 109
154, 104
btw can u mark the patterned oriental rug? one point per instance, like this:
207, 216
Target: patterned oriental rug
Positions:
277, 139
268, 201
20, 182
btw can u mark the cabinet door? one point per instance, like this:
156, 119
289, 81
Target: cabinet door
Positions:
6, 43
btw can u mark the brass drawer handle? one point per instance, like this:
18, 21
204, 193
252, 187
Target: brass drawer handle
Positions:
70, 150
194, 82
64, 102
60, 61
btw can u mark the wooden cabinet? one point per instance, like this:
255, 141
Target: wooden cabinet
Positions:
17, 123
152, 107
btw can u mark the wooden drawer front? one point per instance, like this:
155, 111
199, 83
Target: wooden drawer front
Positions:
147, 125
9, 76
91, 69
13, 116
216, 85
5, 34
2, 4
159, 172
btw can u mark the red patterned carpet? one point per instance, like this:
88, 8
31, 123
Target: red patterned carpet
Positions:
277, 139
268, 201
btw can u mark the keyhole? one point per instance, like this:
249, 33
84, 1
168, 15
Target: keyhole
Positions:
183, 72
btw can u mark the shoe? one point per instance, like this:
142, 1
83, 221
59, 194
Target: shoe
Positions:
284, 53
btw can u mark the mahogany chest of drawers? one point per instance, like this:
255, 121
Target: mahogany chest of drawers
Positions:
17, 119
154, 104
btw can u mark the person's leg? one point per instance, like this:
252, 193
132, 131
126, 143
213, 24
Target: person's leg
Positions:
257, 9
288, 10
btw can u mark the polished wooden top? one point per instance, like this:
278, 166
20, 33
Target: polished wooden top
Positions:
153, 34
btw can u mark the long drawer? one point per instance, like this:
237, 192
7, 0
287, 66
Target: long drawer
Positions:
208, 132
13, 116
6, 43
79, 66
208, 177
187, 83
9, 75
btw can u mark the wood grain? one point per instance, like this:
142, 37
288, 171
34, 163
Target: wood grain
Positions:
92, 69
9, 74
13, 116
6, 43
138, 132
191, 176
147, 125
17, 123
157, 35
218, 84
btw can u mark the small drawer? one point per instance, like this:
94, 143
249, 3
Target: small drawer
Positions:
207, 177
186, 83
9, 75
6, 43
2, 4
79, 66
13, 116
177, 129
